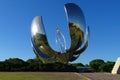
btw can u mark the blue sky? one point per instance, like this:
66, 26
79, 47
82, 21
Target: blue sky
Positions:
103, 17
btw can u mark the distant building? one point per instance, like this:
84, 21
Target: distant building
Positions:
83, 69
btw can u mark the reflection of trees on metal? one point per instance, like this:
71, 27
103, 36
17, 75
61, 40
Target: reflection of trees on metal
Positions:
78, 35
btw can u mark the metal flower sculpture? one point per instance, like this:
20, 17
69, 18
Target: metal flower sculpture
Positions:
78, 34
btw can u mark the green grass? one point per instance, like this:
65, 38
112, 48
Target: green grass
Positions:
40, 76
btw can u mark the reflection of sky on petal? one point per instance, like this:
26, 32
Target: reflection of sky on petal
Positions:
75, 14
37, 26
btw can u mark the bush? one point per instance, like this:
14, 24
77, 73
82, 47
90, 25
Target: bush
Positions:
107, 67
95, 64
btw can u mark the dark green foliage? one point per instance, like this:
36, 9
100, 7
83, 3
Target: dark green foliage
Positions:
2, 68
57, 67
107, 67
15, 64
33, 64
95, 64
98, 65
77, 64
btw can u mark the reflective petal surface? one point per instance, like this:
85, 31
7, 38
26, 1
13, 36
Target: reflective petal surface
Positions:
39, 39
76, 24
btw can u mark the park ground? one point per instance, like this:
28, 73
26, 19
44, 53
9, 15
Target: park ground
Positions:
57, 76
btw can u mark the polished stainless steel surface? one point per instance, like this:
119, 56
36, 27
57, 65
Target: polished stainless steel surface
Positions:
78, 34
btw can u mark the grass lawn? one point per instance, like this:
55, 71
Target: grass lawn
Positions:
41, 76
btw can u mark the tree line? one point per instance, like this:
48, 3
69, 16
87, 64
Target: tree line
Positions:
16, 64
99, 65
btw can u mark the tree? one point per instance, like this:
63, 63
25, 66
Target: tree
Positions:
2, 67
34, 64
107, 67
95, 64
14, 64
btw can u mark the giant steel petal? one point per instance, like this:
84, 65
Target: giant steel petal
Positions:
76, 22
39, 39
